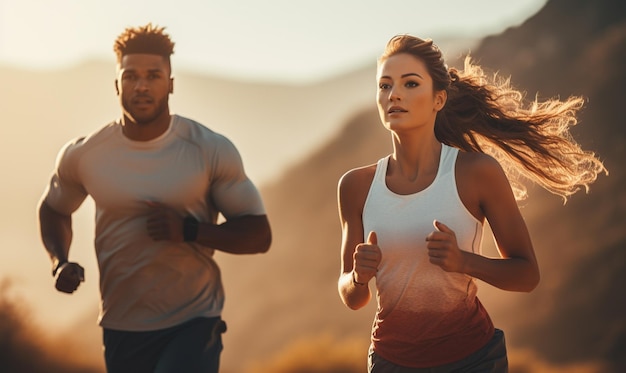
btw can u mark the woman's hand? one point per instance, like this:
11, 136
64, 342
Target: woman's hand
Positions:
443, 249
366, 258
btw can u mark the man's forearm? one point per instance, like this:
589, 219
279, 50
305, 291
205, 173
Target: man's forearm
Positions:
248, 234
56, 233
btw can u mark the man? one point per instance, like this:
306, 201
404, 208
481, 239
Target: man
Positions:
159, 182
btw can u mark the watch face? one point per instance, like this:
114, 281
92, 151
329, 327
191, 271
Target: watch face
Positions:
190, 229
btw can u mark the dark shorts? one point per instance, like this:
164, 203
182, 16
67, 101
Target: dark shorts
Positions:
489, 359
194, 347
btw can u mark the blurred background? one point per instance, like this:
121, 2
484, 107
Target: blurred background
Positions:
293, 85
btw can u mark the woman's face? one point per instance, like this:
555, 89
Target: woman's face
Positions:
405, 94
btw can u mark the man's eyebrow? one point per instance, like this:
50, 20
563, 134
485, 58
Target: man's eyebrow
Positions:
154, 70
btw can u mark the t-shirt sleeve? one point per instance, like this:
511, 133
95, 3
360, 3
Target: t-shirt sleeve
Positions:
232, 192
65, 193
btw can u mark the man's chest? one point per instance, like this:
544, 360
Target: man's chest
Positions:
122, 177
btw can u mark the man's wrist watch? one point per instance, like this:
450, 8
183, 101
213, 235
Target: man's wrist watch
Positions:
60, 264
190, 229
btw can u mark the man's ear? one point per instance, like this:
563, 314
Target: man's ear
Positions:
171, 85
117, 89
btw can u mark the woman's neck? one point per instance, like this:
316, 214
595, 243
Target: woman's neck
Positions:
415, 155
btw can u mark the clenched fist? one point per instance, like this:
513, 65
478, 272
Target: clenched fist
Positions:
366, 258
68, 277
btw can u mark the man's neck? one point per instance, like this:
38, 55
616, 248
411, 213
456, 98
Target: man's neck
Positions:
145, 131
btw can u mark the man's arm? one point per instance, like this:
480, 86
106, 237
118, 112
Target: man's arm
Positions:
56, 235
248, 234
246, 229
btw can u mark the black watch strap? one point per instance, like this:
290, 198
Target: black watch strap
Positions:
58, 266
190, 229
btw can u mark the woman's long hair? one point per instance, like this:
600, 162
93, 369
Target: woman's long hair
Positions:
486, 114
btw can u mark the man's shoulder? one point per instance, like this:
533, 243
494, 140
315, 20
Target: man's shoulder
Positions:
95, 138
198, 133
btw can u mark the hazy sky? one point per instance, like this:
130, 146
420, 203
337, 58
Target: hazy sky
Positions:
280, 40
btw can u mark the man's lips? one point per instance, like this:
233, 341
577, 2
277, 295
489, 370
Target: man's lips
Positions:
142, 100
396, 109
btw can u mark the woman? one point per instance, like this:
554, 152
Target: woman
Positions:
414, 220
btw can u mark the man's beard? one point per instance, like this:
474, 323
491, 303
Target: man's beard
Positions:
148, 117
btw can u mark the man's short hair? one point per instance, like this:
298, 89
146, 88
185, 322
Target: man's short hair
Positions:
146, 39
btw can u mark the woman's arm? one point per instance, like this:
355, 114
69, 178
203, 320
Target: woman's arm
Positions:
486, 192
359, 261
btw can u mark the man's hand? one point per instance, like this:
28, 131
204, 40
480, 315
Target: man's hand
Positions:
68, 277
164, 223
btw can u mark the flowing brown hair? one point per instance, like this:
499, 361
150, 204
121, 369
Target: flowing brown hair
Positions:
486, 114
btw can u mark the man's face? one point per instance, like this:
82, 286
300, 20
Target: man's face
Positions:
143, 84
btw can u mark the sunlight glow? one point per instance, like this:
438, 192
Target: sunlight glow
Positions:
271, 40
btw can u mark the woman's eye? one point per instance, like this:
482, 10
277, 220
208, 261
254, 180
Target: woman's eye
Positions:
412, 84
384, 86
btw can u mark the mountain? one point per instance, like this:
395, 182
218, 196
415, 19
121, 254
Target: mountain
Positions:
584, 55
273, 125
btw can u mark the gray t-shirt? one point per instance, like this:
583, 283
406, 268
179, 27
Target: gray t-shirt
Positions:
146, 284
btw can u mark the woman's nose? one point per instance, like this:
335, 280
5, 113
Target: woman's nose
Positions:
394, 95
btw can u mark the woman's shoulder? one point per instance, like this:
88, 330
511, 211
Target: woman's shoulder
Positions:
480, 179
358, 176
354, 186
478, 164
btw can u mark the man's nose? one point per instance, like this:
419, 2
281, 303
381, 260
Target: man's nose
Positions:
141, 84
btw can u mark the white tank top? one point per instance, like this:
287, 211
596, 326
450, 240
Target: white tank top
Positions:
419, 304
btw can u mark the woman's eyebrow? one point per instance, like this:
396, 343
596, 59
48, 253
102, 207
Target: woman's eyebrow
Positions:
403, 76
412, 74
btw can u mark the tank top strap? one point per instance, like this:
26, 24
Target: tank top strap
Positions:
448, 159
381, 170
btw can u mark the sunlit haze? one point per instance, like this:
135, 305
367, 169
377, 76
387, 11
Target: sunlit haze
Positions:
283, 41
293, 85
275, 40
